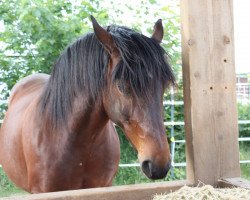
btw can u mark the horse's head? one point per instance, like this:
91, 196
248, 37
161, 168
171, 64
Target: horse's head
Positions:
137, 74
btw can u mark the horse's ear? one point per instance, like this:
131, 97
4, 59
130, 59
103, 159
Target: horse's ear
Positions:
103, 36
158, 31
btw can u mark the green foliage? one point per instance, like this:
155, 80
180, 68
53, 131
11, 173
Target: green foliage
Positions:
244, 114
142, 12
244, 131
37, 31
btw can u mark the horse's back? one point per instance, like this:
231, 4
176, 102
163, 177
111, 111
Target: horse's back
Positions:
23, 95
27, 86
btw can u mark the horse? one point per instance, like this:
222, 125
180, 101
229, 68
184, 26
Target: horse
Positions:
58, 132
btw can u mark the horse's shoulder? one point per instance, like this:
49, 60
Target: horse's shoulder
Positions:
29, 83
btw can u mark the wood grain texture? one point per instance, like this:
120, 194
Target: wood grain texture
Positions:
135, 192
234, 182
209, 90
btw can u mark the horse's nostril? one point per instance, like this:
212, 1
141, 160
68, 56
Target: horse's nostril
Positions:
147, 168
153, 171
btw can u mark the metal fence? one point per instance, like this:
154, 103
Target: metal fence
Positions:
243, 92
243, 96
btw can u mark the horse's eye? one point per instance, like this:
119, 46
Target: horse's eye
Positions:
120, 87
124, 88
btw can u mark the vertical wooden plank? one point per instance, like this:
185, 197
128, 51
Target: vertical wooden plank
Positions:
209, 90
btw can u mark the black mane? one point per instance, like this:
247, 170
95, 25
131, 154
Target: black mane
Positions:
82, 66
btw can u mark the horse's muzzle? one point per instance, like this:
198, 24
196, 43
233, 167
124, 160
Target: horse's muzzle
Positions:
155, 172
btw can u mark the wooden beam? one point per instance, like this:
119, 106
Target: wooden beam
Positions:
234, 182
209, 90
135, 192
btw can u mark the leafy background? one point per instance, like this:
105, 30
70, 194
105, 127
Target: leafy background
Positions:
36, 31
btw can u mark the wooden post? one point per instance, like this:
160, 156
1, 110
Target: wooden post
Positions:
234, 182
209, 90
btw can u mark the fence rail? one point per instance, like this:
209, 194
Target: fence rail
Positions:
243, 91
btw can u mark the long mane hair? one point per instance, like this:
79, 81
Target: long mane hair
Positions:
81, 68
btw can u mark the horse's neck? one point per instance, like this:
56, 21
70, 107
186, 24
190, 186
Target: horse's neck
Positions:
87, 118
84, 125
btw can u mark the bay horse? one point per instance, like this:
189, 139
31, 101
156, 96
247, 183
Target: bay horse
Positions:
58, 131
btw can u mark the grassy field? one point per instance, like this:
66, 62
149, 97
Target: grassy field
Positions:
7, 188
11, 192
134, 175
245, 155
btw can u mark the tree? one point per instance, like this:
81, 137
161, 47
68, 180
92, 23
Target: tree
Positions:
36, 32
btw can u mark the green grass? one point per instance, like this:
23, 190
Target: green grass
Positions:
7, 188
11, 192
245, 171
134, 175
245, 155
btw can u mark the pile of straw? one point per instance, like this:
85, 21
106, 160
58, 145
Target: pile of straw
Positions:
206, 192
